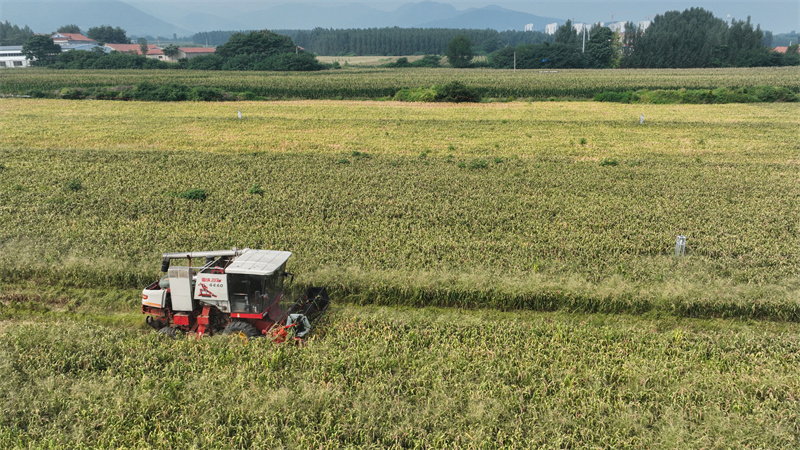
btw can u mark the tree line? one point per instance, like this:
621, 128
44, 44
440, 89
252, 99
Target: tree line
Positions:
692, 38
389, 41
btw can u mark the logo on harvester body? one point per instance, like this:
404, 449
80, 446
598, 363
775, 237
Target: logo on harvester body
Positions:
211, 288
204, 292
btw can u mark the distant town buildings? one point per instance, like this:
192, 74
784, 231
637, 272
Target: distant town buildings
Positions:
618, 27
529, 27
581, 27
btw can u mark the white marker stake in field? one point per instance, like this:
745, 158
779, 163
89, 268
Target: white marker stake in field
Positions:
680, 245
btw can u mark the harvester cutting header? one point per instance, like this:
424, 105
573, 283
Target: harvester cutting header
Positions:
233, 291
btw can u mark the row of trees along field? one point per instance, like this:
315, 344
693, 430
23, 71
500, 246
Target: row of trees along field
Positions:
693, 38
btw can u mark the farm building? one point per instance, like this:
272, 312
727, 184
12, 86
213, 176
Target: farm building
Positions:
11, 57
153, 51
191, 52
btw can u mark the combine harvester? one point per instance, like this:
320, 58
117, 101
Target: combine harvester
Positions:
233, 292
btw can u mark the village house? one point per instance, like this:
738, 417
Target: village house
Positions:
71, 39
192, 52
153, 51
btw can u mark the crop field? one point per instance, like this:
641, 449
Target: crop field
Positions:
503, 274
388, 378
513, 205
375, 83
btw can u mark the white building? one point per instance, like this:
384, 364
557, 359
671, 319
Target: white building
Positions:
644, 24
529, 27
580, 27
618, 27
551, 28
11, 57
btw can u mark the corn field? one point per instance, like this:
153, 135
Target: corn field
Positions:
382, 83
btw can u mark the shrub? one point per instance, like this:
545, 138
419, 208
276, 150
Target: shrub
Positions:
255, 190
161, 93
427, 61
618, 97
478, 164
456, 92
194, 194
74, 185
206, 94
415, 95
72, 94
609, 162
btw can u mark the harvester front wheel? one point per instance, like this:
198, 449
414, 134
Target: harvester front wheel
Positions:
241, 329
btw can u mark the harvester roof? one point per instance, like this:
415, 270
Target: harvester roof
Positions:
258, 262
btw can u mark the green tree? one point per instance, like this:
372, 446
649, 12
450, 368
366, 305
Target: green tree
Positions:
695, 38
633, 34
262, 42
108, 35
40, 50
143, 45
459, 51
171, 50
565, 34
71, 28
13, 35
601, 48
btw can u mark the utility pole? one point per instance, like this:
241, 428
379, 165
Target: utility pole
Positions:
583, 49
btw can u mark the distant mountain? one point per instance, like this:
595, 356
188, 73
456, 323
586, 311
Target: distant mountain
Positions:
412, 15
47, 16
188, 17
301, 16
492, 17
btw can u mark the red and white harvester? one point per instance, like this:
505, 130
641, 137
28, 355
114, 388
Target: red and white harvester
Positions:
233, 292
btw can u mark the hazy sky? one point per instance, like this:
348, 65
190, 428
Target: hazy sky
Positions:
777, 16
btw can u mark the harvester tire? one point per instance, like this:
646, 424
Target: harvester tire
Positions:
245, 329
170, 332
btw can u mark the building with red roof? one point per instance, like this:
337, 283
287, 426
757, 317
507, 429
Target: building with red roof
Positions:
71, 39
153, 51
191, 52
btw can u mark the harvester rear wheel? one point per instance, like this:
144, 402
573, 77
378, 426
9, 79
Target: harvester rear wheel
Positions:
242, 329
170, 332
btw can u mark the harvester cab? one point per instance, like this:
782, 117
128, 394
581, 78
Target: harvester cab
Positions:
233, 291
